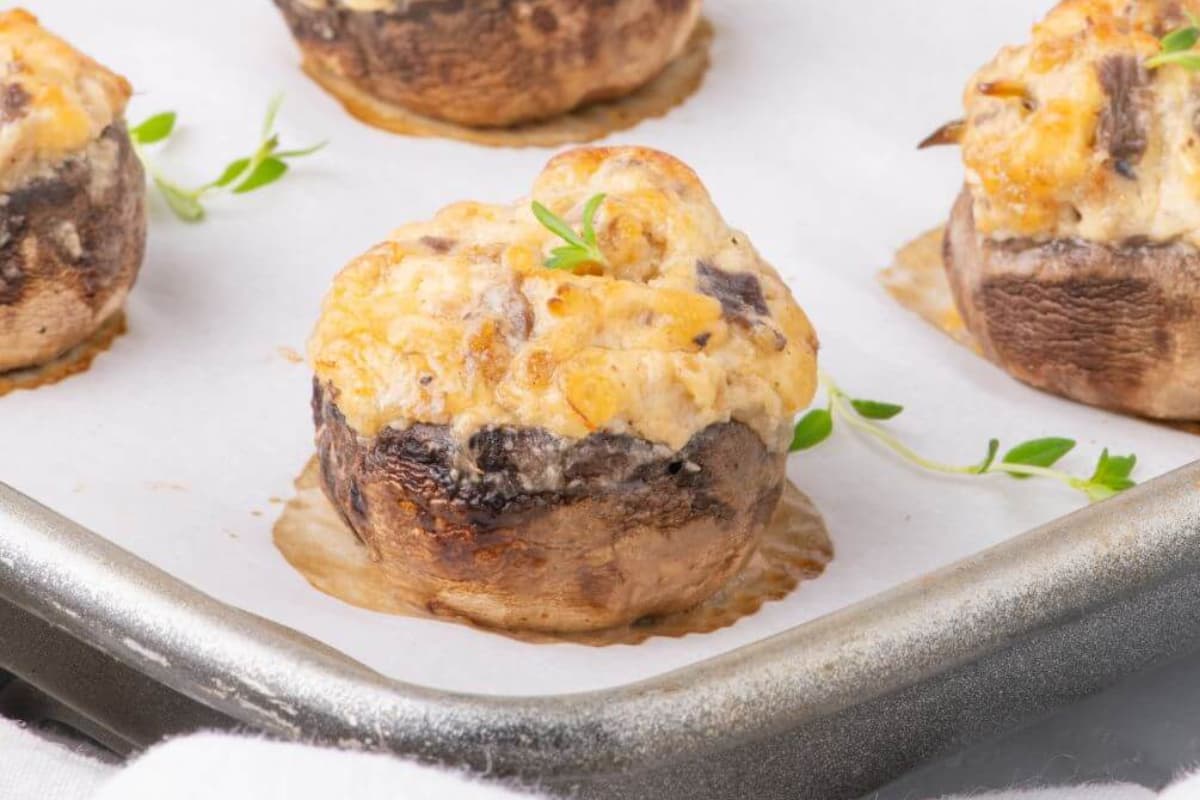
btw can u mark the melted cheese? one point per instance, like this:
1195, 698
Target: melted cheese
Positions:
1037, 144
456, 321
54, 101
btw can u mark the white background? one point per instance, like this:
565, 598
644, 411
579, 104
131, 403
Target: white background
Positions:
805, 133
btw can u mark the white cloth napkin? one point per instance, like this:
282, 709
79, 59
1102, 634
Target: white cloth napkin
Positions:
219, 767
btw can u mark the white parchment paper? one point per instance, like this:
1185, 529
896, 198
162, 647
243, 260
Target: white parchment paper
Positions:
175, 442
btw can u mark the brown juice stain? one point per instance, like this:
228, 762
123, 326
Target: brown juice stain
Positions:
677, 82
917, 280
290, 355
72, 362
312, 537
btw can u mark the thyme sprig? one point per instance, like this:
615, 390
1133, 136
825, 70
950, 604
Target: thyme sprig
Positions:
266, 165
580, 248
1033, 459
1179, 47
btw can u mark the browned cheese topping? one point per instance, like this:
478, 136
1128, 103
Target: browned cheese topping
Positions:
457, 321
54, 101
1071, 135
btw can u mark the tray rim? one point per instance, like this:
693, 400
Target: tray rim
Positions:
269, 676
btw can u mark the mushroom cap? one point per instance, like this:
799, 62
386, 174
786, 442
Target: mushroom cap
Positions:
1115, 326
492, 63
520, 529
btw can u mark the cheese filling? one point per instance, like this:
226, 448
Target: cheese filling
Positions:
457, 321
1072, 135
54, 101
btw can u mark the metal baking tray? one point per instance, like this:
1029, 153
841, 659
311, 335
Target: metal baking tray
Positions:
933, 625
831, 709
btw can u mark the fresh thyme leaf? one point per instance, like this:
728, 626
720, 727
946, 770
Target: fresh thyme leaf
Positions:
302, 152
556, 224
1112, 472
1038, 453
1112, 476
986, 464
872, 409
232, 172
1177, 47
155, 129
589, 218
567, 258
182, 203
579, 249
268, 146
265, 166
815, 427
1034, 458
1181, 39
1097, 493
1188, 59
273, 107
266, 173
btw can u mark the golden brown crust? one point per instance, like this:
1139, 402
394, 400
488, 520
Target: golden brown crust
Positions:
522, 529
1116, 326
494, 63
71, 244
54, 100
1072, 135
457, 321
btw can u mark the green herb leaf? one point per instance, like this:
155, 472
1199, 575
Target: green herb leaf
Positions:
1181, 39
993, 450
182, 203
268, 128
1188, 59
232, 172
242, 175
1097, 493
154, 129
1113, 472
1178, 47
306, 151
814, 428
1039, 453
266, 173
579, 250
556, 225
1112, 476
589, 218
566, 258
267, 148
872, 409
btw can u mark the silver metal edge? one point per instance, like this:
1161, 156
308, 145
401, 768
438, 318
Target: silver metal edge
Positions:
273, 678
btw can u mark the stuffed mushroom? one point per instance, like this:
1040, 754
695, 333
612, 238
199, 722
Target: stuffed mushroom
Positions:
491, 63
1073, 248
562, 449
72, 195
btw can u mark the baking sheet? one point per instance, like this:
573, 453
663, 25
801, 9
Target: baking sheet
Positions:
175, 442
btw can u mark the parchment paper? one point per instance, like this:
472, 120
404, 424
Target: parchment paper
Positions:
175, 442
